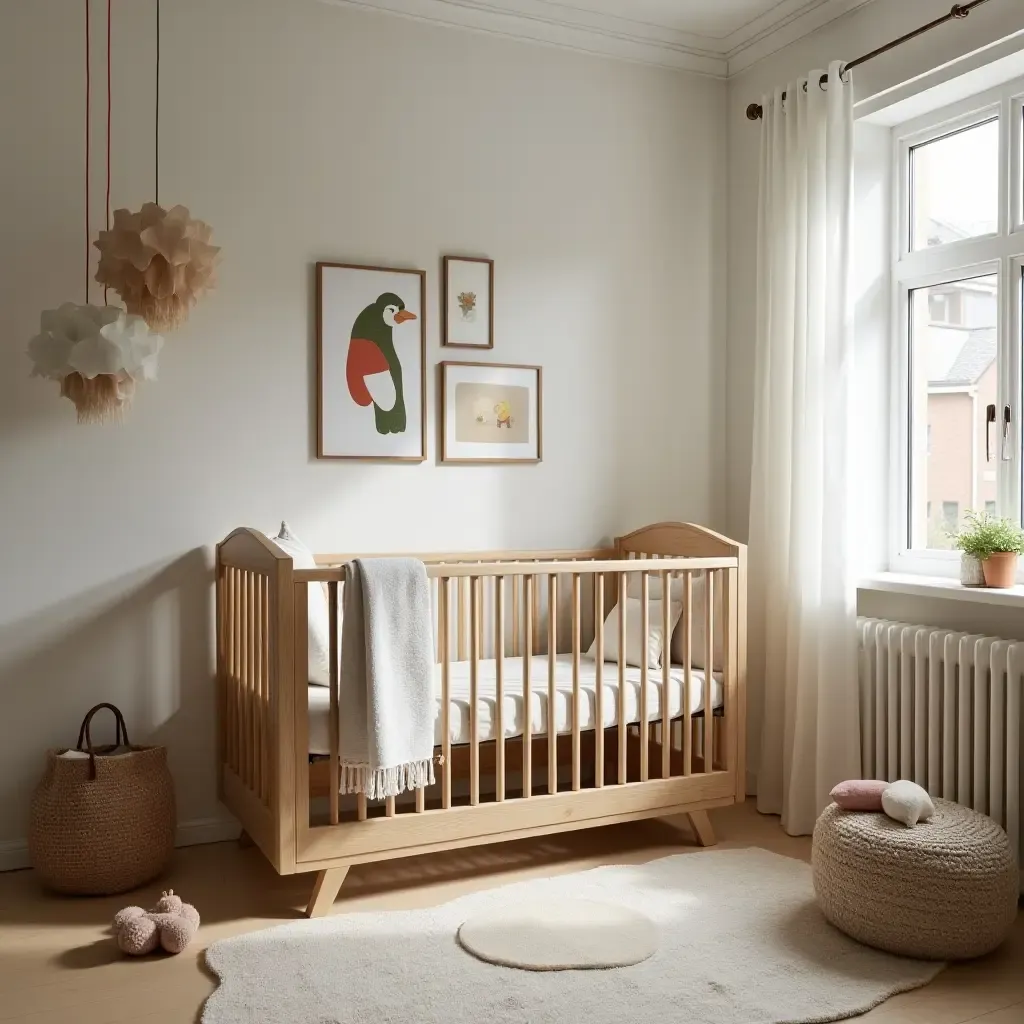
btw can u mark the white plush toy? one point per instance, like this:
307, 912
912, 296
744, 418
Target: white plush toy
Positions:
906, 801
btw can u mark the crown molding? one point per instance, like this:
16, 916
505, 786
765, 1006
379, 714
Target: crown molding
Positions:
568, 28
551, 23
778, 28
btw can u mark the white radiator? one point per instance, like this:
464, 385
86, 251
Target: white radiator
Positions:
944, 709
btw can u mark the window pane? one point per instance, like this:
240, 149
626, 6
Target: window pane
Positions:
952, 383
954, 184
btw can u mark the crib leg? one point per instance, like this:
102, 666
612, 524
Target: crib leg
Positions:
325, 891
701, 825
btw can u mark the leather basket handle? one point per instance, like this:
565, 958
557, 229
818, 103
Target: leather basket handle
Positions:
120, 736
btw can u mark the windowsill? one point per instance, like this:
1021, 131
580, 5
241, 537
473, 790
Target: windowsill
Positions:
942, 587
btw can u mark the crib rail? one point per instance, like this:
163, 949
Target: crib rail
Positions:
472, 626
521, 635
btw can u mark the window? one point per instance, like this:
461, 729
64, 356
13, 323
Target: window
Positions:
950, 515
945, 306
952, 376
958, 272
954, 185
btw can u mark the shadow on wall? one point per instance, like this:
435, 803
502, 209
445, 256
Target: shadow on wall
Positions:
142, 642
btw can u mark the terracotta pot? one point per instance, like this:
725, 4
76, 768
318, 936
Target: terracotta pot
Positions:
1000, 569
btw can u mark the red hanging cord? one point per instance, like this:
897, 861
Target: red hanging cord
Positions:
88, 95
108, 133
156, 118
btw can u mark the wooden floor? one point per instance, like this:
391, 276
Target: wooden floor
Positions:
59, 965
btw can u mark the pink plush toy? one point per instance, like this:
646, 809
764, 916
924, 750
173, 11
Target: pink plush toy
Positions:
171, 925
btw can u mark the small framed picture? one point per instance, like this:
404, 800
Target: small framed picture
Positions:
371, 363
490, 412
468, 303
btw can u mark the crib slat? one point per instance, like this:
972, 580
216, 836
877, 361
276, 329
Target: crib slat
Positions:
257, 674
265, 733
535, 612
666, 674
463, 617
243, 681
621, 778
335, 720
552, 688
421, 794
730, 718
645, 629
516, 585
232, 663
687, 723
257, 684
300, 701
474, 671
527, 689
446, 726
250, 693
230, 619
250, 670
599, 681
221, 613
709, 671
499, 686
575, 681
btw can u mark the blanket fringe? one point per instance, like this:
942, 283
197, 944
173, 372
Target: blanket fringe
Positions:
379, 783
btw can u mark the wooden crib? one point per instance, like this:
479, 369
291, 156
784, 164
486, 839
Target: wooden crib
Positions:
536, 613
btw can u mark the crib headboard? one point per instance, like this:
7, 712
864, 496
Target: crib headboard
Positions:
678, 540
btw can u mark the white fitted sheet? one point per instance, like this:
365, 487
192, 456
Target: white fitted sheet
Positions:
458, 689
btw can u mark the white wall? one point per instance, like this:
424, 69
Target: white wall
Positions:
303, 131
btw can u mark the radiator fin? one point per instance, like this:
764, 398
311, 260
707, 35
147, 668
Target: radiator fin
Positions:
944, 709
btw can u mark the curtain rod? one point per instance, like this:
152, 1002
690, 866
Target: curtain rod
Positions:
755, 111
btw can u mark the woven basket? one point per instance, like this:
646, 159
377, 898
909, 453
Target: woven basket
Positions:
105, 824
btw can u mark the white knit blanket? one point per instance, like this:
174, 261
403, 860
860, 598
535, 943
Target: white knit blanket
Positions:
386, 679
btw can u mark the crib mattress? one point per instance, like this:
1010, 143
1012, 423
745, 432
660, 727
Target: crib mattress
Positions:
458, 690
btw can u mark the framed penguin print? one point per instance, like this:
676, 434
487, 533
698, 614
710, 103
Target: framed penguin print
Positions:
468, 303
371, 357
490, 412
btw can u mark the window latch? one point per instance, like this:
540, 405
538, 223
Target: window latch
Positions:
1004, 453
990, 418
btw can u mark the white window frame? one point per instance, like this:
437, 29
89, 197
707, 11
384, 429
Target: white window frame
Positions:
1001, 254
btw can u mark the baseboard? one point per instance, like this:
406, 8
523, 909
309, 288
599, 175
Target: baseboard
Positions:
13, 855
207, 830
14, 852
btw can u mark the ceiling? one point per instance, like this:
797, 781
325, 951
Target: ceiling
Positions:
715, 37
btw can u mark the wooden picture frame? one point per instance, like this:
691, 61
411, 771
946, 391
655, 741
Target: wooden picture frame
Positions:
486, 418
466, 321
351, 379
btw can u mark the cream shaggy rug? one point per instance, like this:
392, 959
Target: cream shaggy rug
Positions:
560, 935
741, 942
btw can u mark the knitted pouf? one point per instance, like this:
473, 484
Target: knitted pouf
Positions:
945, 889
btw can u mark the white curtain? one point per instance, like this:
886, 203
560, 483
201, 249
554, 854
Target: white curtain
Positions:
803, 672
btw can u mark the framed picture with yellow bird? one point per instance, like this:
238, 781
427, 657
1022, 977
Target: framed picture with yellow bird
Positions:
371, 363
491, 412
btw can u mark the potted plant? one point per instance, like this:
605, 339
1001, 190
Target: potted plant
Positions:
994, 543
